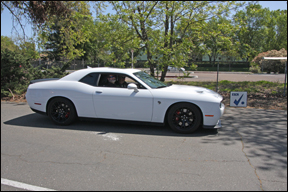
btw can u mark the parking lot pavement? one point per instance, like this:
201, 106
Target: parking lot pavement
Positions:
248, 153
263, 134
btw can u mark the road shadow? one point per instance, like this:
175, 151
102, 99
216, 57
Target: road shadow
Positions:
263, 134
104, 126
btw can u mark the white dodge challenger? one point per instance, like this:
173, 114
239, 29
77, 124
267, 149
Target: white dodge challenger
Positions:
89, 93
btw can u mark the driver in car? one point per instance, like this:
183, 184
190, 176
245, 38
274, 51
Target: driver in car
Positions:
111, 81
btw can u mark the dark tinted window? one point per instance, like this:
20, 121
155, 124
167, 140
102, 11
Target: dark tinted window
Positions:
90, 79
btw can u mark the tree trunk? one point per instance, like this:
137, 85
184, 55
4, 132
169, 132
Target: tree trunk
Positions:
150, 62
165, 67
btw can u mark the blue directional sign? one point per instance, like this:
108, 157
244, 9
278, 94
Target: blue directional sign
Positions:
238, 99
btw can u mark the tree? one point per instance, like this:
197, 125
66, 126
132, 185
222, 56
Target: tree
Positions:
7, 43
66, 35
150, 19
111, 41
139, 16
277, 30
281, 29
218, 39
19, 46
28, 49
253, 32
37, 12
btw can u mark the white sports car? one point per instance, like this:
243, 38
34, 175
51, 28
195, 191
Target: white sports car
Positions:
89, 93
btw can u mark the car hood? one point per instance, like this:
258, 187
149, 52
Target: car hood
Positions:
191, 90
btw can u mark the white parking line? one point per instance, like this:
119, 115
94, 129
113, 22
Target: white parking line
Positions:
111, 136
23, 185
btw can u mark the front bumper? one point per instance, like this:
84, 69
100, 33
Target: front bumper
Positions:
217, 126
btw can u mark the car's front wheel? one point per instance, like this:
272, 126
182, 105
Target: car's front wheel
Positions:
184, 118
62, 111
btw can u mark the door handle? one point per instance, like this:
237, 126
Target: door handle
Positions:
98, 91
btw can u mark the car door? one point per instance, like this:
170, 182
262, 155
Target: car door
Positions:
123, 103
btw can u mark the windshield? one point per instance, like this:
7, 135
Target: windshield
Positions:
149, 80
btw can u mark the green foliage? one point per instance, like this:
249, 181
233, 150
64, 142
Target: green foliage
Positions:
28, 50
252, 31
219, 38
13, 75
25, 48
193, 67
186, 74
8, 43
66, 35
260, 30
17, 72
254, 68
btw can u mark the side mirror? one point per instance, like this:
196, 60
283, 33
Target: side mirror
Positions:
133, 86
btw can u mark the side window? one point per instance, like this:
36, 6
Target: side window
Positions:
129, 80
90, 79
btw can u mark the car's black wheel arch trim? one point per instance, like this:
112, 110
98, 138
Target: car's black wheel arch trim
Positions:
167, 111
47, 106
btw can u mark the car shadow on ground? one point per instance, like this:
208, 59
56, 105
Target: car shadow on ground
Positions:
104, 126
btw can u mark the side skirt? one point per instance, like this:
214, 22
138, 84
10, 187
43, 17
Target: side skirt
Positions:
120, 121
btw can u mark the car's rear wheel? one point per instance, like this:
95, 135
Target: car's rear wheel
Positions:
184, 118
62, 111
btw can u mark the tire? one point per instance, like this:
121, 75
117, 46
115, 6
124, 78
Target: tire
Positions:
184, 118
62, 111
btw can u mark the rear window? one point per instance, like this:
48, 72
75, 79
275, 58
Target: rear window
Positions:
90, 79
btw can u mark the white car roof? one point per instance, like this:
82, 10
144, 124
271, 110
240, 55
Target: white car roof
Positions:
77, 75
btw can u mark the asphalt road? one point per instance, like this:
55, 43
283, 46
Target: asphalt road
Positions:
249, 153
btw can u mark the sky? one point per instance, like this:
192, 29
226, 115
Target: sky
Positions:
6, 21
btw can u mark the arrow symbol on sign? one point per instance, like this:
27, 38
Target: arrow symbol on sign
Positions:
238, 101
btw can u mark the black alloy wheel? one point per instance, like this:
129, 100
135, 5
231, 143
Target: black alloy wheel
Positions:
61, 111
184, 118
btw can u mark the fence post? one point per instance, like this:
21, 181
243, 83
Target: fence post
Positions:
284, 93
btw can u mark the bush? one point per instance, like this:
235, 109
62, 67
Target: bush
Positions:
193, 67
13, 75
17, 72
271, 65
255, 68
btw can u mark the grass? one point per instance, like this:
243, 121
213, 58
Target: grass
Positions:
261, 94
244, 86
